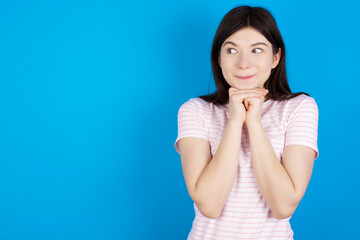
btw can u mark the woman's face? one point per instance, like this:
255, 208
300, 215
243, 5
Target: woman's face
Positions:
246, 59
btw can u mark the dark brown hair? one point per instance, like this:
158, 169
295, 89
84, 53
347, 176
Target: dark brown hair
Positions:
261, 20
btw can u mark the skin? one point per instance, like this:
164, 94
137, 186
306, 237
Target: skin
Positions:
209, 180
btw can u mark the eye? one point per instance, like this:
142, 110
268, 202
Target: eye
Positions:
257, 50
231, 50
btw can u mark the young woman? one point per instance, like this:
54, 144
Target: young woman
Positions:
247, 150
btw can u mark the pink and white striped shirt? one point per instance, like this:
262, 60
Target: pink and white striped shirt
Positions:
246, 215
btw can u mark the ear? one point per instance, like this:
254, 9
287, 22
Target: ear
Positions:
276, 59
219, 61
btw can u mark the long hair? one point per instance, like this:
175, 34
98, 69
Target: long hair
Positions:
261, 20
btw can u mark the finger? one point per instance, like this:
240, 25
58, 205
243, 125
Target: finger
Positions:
237, 91
255, 101
263, 91
252, 89
246, 103
242, 96
232, 89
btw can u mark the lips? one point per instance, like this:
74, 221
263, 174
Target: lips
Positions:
244, 77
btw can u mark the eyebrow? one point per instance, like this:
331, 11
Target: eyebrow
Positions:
252, 45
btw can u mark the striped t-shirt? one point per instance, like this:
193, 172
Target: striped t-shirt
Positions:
246, 215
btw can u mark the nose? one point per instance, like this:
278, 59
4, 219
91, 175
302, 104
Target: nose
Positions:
243, 61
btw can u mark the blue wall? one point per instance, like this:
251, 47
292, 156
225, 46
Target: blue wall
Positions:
89, 94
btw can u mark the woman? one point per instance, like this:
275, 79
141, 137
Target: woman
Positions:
247, 150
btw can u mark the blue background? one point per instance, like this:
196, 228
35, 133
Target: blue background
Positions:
89, 94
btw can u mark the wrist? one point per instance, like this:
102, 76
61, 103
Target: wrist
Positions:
235, 123
254, 124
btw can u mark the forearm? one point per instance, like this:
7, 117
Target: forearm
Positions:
273, 180
216, 181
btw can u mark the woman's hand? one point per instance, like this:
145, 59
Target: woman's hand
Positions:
245, 105
253, 106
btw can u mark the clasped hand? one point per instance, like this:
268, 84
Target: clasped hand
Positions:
246, 105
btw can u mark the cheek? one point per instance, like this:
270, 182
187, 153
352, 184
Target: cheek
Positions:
226, 69
265, 64
227, 62
225, 73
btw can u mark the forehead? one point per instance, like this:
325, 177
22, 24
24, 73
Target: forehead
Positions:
247, 36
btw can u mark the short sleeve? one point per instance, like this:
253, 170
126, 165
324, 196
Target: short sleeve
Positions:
302, 124
191, 121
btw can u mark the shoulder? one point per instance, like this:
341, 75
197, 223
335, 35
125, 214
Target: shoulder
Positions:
301, 99
195, 104
292, 105
301, 102
301, 108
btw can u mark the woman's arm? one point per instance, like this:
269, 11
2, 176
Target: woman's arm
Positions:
281, 184
209, 181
